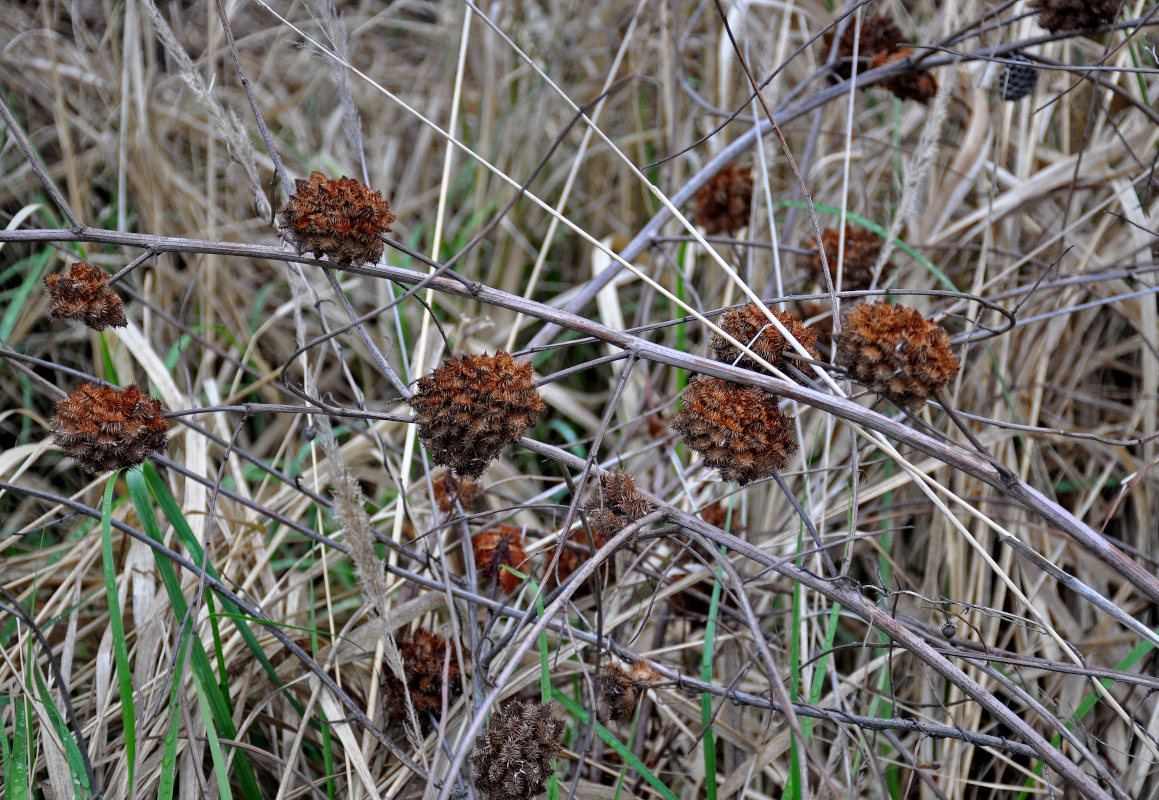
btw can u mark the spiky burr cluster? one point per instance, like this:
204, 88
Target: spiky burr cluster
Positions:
337, 218
423, 657
1019, 79
472, 407
737, 429
498, 547
896, 352
862, 247
82, 294
1069, 15
620, 688
105, 428
881, 42
614, 503
723, 204
513, 758
749, 325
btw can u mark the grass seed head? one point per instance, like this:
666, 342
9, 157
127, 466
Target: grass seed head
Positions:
106, 428
472, 407
340, 219
423, 657
1069, 15
862, 247
498, 547
723, 204
896, 352
513, 758
737, 429
82, 294
749, 325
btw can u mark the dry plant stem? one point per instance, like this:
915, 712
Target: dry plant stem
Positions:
969, 463
38, 167
375, 352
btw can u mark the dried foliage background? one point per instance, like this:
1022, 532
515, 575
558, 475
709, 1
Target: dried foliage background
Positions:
327, 524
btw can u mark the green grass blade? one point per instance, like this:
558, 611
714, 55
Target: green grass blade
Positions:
76, 765
220, 767
116, 622
169, 752
709, 741
17, 767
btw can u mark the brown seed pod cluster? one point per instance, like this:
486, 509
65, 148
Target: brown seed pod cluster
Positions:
470, 408
498, 547
723, 204
105, 428
881, 42
337, 218
620, 688
513, 758
737, 429
749, 325
614, 503
896, 352
424, 655
862, 247
82, 294
449, 488
1070, 15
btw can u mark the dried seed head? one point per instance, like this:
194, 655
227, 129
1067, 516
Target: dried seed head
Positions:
896, 352
499, 547
618, 692
749, 325
423, 657
614, 503
449, 488
737, 429
472, 407
83, 295
717, 515
723, 204
106, 428
1070, 15
862, 247
513, 758
340, 219
878, 33
913, 84
1017, 80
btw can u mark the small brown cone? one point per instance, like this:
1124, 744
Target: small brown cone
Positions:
106, 428
896, 352
472, 407
498, 547
337, 218
737, 429
424, 655
723, 204
614, 503
862, 247
83, 295
620, 688
1070, 15
513, 758
749, 325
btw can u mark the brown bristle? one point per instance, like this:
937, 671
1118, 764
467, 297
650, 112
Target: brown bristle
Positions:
862, 247
105, 428
499, 547
513, 758
1070, 15
896, 352
723, 204
472, 407
913, 84
749, 325
82, 294
340, 219
737, 429
614, 503
450, 489
878, 33
423, 657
